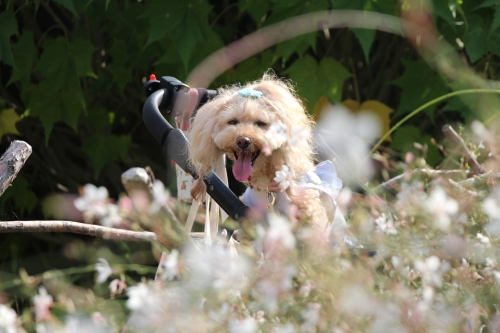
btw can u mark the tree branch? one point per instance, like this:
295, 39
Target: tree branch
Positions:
11, 162
459, 143
77, 228
393, 182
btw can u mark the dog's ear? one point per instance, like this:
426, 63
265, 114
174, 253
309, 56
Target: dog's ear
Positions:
203, 153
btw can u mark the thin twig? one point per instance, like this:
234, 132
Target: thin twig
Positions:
393, 182
11, 163
77, 228
459, 143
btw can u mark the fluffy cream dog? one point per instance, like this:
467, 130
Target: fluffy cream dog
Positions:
236, 123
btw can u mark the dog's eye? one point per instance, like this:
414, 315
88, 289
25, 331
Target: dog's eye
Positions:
261, 124
233, 122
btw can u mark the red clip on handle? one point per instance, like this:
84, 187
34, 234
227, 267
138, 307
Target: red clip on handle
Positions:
152, 77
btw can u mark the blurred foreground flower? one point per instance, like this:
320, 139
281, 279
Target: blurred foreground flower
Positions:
42, 302
442, 207
103, 270
344, 138
491, 206
8, 319
161, 196
95, 206
285, 177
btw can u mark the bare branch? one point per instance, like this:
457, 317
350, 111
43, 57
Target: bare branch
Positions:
11, 162
458, 142
396, 181
77, 228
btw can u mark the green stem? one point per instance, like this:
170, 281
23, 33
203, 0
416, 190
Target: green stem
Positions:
426, 105
77, 270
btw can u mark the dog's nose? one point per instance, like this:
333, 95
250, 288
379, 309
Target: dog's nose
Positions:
243, 142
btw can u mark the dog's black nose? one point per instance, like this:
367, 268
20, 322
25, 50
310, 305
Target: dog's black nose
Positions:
243, 142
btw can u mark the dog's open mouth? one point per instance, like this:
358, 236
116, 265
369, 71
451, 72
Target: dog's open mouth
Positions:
243, 164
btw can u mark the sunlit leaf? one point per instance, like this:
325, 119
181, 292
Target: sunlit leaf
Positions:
381, 110
8, 120
8, 28
318, 79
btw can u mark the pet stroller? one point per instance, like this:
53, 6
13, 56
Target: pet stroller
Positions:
170, 96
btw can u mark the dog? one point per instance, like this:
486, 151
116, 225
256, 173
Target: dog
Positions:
237, 123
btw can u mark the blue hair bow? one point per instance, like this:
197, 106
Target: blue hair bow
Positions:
247, 92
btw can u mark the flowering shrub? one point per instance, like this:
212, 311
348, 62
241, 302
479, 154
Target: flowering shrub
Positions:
428, 263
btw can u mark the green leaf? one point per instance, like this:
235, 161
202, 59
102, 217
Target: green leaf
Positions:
185, 21
442, 10
348, 4
74, 62
496, 20
318, 79
291, 46
487, 3
252, 68
24, 198
24, 52
476, 40
420, 84
64, 105
8, 120
256, 8
365, 38
405, 136
284, 9
457, 104
104, 149
68, 4
81, 51
8, 28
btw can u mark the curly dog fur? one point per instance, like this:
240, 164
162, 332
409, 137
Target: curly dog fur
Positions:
220, 124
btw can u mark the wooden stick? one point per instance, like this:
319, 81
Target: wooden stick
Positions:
77, 228
11, 162
458, 142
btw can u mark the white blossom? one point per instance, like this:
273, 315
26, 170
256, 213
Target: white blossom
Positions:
310, 317
161, 196
93, 203
103, 270
112, 218
42, 303
8, 319
247, 325
169, 267
441, 206
285, 177
491, 206
276, 135
385, 224
345, 137
430, 269
298, 134
139, 296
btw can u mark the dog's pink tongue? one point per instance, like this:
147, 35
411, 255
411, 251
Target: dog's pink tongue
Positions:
242, 168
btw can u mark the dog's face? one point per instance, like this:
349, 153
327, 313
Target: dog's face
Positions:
240, 134
236, 126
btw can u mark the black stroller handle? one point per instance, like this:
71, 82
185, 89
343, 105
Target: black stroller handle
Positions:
175, 146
